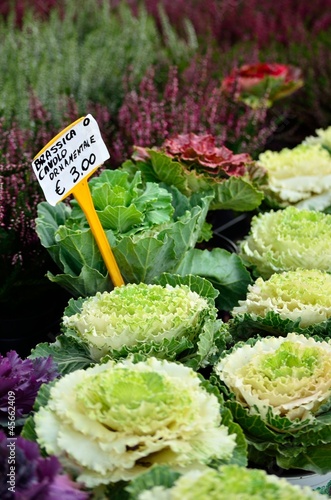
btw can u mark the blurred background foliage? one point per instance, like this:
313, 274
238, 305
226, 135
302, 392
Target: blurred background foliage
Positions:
145, 69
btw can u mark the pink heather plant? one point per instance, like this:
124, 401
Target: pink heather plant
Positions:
232, 21
20, 192
189, 103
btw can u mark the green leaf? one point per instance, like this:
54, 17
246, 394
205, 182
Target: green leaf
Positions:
87, 283
196, 283
159, 475
236, 194
245, 326
223, 269
120, 219
68, 353
311, 458
168, 171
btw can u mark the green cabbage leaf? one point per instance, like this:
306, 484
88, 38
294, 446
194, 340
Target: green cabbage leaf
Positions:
233, 193
149, 229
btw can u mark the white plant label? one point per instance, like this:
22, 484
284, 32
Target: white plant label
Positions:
69, 158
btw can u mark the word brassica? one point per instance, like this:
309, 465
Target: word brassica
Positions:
116, 420
279, 391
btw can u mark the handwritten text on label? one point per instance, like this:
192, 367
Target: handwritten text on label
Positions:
69, 158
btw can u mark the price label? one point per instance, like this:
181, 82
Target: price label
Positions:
74, 154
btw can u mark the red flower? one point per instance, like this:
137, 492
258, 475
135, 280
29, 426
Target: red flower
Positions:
252, 83
200, 150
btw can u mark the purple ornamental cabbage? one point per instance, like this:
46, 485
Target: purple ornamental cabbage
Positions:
26, 475
23, 377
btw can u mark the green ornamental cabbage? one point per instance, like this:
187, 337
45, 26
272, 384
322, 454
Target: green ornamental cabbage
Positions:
286, 240
114, 421
230, 482
300, 176
279, 392
149, 229
299, 300
172, 322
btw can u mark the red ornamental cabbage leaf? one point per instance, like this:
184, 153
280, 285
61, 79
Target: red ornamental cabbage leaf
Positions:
201, 151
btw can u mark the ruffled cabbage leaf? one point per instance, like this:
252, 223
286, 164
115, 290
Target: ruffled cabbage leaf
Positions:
228, 481
111, 422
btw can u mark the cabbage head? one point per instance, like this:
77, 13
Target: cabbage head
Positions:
286, 240
300, 176
114, 421
297, 300
229, 482
172, 321
279, 391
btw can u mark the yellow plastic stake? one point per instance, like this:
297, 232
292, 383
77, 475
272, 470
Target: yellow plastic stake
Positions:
83, 196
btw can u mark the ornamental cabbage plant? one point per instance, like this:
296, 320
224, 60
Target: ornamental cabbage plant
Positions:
149, 229
279, 391
114, 421
229, 482
261, 84
193, 163
286, 240
297, 300
322, 137
300, 176
176, 321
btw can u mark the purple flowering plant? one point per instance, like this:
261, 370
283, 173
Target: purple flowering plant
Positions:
33, 476
22, 378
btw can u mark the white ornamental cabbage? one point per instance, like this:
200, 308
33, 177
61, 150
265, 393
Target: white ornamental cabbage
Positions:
288, 375
171, 322
135, 313
302, 295
300, 176
322, 137
114, 421
286, 240
278, 390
